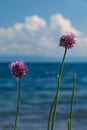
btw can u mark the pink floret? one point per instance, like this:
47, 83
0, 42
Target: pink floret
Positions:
67, 40
18, 69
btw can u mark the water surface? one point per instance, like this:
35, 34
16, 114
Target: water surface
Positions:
37, 92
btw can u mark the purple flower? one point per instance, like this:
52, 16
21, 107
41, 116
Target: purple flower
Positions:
67, 40
18, 69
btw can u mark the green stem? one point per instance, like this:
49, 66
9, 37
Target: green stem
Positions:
69, 122
72, 100
55, 106
18, 103
55, 101
50, 113
62, 64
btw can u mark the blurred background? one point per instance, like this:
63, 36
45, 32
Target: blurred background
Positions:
30, 31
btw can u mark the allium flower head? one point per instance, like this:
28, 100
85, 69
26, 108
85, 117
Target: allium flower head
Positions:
67, 40
18, 69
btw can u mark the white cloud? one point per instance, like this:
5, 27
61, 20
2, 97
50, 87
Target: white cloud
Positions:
18, 26
64, 25
7, 33
34, 23
36, 37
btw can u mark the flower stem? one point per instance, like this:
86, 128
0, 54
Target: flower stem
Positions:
50, 113
62, 64
55, 101
72, 100
49, 117
69, 122
55, 106
18, 103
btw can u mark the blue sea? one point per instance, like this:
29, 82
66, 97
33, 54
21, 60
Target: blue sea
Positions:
37, 92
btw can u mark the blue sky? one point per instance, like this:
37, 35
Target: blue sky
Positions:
33, 27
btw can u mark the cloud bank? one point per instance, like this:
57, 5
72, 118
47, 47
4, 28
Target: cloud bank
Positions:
38, 38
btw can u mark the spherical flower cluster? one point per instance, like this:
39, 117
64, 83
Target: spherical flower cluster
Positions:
67, 40
18, 69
